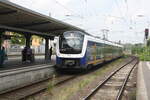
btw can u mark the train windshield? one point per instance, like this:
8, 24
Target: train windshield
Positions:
71, 42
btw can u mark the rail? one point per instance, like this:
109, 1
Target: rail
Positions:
94, 91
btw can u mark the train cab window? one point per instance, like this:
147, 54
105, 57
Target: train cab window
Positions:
71, 42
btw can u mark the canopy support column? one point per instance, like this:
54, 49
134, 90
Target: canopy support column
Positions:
1, 38
27, 53
46, 49
28, 40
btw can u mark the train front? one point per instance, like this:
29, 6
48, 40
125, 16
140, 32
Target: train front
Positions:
70, 51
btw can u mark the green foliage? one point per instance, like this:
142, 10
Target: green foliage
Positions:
132, 95
51, 85
22, 40
16, 40
148, 43
142, 52
145, 54
137, 50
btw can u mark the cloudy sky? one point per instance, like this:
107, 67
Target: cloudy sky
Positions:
125, 19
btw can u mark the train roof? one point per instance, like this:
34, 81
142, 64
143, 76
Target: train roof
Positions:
98, 39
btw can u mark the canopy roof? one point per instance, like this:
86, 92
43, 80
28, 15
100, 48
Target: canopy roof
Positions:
19, 19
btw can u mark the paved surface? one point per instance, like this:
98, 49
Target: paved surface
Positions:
16, 62
143, 82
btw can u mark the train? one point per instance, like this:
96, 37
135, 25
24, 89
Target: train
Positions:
79, 50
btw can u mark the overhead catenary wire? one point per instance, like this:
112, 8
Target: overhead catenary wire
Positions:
132, 21
67, 8
92, 11
127, 11
119, 9
127, 7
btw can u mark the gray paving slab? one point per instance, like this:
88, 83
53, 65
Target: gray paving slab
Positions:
143, 81
15, 62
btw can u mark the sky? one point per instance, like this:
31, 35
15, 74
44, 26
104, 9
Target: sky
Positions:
125, 20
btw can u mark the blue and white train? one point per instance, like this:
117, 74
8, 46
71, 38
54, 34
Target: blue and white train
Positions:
76, 50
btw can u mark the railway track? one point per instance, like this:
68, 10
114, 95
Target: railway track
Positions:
113, 86
35, 88
44, 86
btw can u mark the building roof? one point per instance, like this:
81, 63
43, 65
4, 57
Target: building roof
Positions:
19, 19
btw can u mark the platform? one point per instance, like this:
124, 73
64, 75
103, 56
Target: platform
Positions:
16, 62
143, 81
19, 77
15, 74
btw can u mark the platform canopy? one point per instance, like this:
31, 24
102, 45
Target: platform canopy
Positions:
19, 19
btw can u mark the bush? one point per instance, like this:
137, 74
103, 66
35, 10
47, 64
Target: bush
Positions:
142, 52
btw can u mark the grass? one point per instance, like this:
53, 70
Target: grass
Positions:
132, 95
51, 85
67, 92
31, 98
144, 57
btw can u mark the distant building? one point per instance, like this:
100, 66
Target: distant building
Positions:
36, 43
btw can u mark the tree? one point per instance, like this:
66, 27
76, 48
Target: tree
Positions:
18, 39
